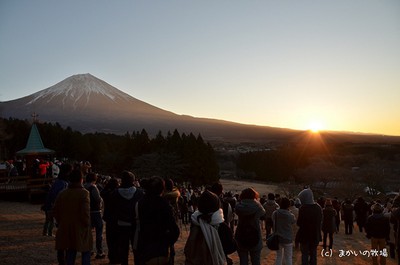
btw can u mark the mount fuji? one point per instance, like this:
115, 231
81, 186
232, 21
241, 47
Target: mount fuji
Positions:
88, 104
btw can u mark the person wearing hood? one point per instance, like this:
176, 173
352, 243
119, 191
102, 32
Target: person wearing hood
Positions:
124, 200
204, 245
248, 232
377, 228
309, 223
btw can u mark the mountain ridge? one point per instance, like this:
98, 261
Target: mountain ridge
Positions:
89, 104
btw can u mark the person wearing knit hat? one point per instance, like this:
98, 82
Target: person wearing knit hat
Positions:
203, 245
309, 223
208, 202
377, 228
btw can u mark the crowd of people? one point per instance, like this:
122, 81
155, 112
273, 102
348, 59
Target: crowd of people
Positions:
145, 217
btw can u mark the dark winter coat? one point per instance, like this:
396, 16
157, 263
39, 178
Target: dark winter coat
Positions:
309, 220
361, 209
124, 201
347, 211
108, 215
377, 226
158, 229
329, 220
309, 223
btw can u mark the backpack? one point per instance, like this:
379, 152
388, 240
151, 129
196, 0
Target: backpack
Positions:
247, 235
226, 236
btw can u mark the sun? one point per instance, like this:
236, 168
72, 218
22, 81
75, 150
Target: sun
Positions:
314, 130
315, 126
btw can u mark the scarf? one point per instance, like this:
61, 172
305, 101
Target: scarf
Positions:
211, 236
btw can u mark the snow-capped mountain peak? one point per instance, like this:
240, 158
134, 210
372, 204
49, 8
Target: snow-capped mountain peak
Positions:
79, 87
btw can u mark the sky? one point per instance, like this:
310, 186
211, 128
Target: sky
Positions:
329, 65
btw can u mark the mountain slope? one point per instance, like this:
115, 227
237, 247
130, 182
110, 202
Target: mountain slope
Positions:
88, 104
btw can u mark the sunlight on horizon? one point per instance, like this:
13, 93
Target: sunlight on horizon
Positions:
315, 126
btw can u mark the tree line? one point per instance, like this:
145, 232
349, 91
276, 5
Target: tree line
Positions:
277, 165
373, 165
183, 157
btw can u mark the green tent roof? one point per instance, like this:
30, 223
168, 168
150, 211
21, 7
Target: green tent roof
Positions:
35, 146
